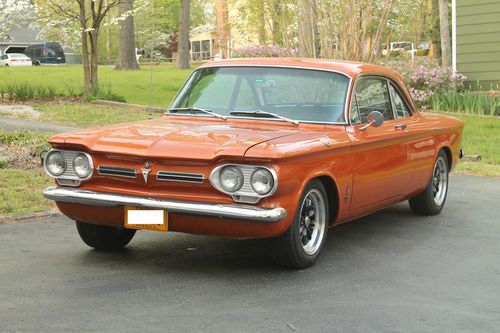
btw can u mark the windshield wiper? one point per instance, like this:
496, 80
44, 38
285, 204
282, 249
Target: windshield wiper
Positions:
265, 113
194, 109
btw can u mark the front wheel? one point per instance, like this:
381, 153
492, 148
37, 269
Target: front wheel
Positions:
103, 237
300, 246
431, 200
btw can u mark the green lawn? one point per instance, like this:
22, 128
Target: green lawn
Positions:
85, 115
134, 86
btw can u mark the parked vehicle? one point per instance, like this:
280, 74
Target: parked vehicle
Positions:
46, 53
14, 60
397, 47
252, 148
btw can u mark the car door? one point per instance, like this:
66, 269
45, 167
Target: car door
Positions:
418, 141
3, 60
379, 154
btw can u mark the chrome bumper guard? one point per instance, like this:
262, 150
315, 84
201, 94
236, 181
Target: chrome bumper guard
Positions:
238, 212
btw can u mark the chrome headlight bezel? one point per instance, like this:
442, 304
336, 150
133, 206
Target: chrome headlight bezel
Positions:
47, 167
266, 173
87, 161
245, 193
69, 177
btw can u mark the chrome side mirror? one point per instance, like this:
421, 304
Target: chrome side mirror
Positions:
375, 118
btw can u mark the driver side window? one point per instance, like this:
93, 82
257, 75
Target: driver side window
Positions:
372, 95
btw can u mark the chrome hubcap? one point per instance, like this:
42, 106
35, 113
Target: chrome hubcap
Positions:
440, 181
312, 221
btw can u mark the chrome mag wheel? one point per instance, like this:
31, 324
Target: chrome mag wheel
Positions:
440, 181
312, 221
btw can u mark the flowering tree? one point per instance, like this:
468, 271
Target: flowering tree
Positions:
82, 18
15, 14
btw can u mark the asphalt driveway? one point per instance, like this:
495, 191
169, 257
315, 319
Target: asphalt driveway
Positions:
388, 272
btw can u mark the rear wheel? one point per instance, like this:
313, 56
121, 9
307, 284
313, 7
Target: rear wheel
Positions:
300, 246
103, 237
431, 200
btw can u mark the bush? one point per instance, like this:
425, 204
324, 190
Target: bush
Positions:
466, 102
424, 77
275, 51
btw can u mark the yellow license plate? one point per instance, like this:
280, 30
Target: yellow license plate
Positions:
146, 219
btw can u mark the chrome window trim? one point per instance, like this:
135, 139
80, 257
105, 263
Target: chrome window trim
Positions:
91, 162
132, 170
346, 104
391, 80
239, 196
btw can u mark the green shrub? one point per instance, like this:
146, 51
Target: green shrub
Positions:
73, 91
3, 163
466, 102
10, 88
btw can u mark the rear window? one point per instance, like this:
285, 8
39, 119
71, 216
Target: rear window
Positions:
54, 50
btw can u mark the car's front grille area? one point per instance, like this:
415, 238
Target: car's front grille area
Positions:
117, 171
184, 177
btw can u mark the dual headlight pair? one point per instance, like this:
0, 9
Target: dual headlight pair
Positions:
56, 164
246, 180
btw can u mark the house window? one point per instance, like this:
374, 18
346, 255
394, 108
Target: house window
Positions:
200, 50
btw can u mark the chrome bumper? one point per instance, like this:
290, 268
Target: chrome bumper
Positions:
238, 212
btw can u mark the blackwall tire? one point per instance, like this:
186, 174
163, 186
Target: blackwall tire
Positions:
300, 246
431, 201
103, 237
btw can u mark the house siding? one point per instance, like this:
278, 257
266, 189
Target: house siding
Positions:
478, 42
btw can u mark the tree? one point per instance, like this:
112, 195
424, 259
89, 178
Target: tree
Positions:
15, 14
183, 50
89, 15
127, 59
308, 29
445, 33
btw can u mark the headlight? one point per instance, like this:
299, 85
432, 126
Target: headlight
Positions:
81, 166
55, 163
262, 181
231, 178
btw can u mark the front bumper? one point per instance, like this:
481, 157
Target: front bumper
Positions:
237, 212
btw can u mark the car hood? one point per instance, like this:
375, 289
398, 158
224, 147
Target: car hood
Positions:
178, 138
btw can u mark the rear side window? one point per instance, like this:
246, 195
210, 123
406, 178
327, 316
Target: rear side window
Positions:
402, 110
372, 95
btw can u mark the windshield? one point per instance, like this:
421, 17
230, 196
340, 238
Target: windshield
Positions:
296, 94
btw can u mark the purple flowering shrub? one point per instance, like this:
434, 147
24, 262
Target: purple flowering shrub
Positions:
424, 77
275, 51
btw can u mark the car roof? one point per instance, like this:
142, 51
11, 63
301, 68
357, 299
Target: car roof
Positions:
17, 54
349, 68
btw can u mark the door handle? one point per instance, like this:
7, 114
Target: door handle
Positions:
401, 127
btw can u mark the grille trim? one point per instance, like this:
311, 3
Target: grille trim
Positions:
105, 170
181, 177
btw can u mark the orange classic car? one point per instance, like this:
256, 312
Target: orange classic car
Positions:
258, 148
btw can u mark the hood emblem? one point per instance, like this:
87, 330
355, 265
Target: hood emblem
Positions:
145, 171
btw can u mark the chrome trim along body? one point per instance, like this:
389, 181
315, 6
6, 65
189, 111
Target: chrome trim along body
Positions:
238, 212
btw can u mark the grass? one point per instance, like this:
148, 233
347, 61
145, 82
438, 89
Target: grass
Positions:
134, 86
21, 192
84, 115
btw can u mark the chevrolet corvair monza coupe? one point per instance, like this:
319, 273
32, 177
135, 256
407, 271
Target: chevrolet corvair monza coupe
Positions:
258, 148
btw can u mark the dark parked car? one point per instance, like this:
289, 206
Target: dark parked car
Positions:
46, 53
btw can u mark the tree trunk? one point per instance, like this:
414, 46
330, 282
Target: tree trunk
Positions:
86, 66
183, 48
94, 35
85, 51
127, 59
445, 33
308, 31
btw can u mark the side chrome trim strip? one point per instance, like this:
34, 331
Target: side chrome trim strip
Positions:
238, 212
